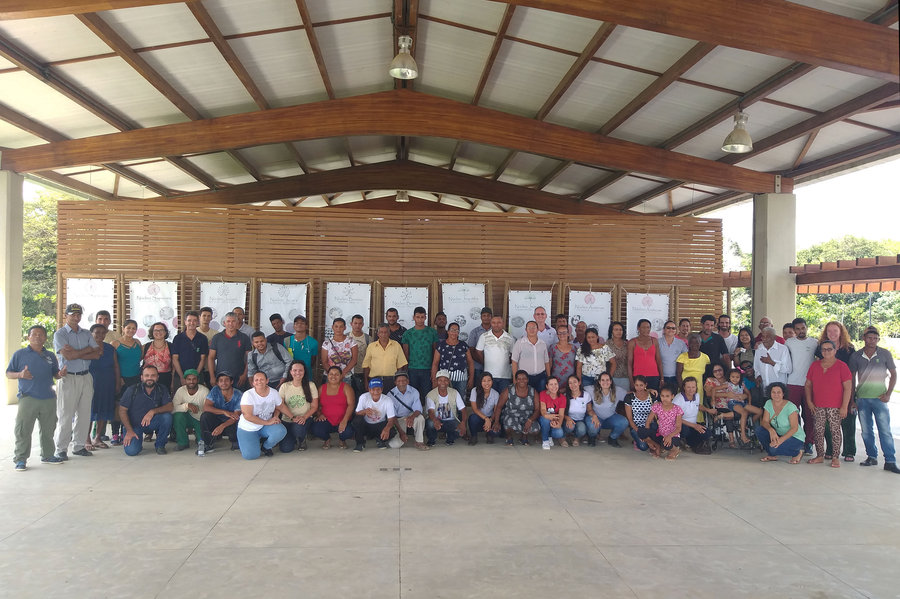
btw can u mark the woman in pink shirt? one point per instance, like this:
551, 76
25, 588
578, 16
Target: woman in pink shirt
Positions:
553, 412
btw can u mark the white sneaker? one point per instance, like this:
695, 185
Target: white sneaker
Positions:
547, 444
550, 441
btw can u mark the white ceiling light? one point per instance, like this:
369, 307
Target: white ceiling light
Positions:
404, 65
738, 141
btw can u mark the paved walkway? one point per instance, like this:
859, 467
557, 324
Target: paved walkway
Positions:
484, 521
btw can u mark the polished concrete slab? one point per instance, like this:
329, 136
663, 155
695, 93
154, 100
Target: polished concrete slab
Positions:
453, 522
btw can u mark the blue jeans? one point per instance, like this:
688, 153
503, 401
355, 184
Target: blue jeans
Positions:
161, 423
582, 427
587, 382
538, 381
790, 447
640, 443
293, 431
500, 385
460, 386
420, 379
547, 431
672, 380
869, 407
617, 423
323, 429
476, 424
448, 426
249, 440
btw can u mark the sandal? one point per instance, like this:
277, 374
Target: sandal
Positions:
835, 463
575, 443
563, 443
849, 458
326, 444
343, 445
673, 454
98, 444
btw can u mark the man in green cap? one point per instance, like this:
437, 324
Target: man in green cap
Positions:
188, 406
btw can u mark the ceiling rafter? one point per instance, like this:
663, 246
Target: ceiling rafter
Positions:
395, 175
592, 47
65, 183
603, 184
29, 9
774, 27
806, 146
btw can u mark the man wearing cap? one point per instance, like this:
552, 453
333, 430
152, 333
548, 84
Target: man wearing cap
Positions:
221, 412
474, 335
145, 407
408, 410
875, 376
75, 347
35, 368
274, 361
187, 408
446, 411
278, 337
375, 417
384, 357
189, 348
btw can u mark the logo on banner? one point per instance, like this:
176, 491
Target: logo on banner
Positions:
153, 289
589, 299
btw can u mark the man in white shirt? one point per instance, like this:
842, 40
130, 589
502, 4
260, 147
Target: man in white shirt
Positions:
408, 410
374, 417
772, 362
446, 410
803, 351
531, 355
545, 333
494, 350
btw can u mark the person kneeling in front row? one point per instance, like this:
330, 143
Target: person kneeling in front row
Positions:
446, 410
374, 418
259, 421
146, 406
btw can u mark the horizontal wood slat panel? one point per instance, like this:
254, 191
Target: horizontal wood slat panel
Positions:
169, 240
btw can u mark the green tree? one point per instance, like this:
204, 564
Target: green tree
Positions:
847, 248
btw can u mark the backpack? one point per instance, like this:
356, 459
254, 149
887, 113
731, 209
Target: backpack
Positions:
254, 356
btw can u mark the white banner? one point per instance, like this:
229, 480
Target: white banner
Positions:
344, 300
652, 306
521, 309
405, 300
93, 295
154, 301
287, 300
222, 298
462, 303
594, 308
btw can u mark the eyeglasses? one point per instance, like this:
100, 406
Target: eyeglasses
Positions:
670, 328
827, 349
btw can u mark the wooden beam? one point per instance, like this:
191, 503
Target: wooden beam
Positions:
395, 112
602, 184
774, 27
722, 199
806, 146
62, 182
29, 9
649, 195
394, 175
414, 205
848, 275
885, 146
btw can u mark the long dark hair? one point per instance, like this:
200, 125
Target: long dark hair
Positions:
610, 335
479, 389
586, 348
304, 382
749, 332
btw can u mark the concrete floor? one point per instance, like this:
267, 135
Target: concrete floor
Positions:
453, 522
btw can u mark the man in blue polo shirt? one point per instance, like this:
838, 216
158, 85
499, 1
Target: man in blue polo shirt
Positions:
144, 407
221, 413
75, 348
35, 367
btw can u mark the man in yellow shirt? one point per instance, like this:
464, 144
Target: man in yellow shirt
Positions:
383, 358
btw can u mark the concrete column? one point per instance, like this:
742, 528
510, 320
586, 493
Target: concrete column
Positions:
774, 288
11, 209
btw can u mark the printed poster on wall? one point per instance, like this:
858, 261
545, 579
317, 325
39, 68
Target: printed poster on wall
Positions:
222, 298
344, 300
462, 303
406, 299
287, 300
594, 308
521, 309
652, 306
93, 295
154, 301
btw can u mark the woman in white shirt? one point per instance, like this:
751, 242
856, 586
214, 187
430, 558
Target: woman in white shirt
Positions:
693, 433
580, 418
259, 420
607, 398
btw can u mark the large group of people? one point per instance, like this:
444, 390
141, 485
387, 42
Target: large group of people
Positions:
562, 384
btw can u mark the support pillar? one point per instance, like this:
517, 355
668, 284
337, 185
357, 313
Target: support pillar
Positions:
11, 253
774, 287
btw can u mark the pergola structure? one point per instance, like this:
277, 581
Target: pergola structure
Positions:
536, 105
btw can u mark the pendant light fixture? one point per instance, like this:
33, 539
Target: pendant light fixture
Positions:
404, 65
738, 141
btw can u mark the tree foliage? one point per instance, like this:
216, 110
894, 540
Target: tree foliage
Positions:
847, 247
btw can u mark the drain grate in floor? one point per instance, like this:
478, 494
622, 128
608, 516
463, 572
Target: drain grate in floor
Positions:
394, 469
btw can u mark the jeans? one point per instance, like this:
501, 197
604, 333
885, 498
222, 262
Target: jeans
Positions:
448, 426
293, 432
501, 385
869, 407
638, 442
539, 381
547, 431
652, 382
587, 382
209, 421
249, 440
358, 382
582, 427
161, 423
693, 438
364, 429
460, 386
617, 423
652, 432
322, 429
476, 424
790, 447
420, 379
672, 380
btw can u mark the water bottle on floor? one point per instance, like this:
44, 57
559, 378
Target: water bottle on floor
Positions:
201, 448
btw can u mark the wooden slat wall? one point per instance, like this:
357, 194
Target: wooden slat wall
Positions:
167, 240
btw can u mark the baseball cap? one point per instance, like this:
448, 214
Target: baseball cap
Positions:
191, 371
74, 309
442, 373
375, 382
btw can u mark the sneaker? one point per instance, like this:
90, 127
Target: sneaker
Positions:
869, 462
267, 452
613, 442
82, 452
490, 439
807, 449
51, 460
550, 441
510, 442
21, 467
547, 444
360, 447
161, 451
892, 467
381, 444
116, 440
234, 447
448, 442
201, 448
303, 446
62, 455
